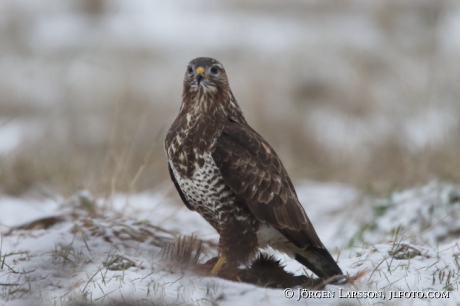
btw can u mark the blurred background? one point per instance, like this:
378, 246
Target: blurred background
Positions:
361, 92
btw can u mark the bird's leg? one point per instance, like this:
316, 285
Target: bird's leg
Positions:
218, 265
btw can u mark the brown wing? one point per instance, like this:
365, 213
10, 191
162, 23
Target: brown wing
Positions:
255, 173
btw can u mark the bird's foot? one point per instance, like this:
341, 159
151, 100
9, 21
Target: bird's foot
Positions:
218, 265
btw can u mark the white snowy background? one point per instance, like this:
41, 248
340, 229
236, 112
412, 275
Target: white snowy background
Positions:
88, 89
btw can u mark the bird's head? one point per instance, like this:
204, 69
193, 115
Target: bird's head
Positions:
206, 89
205, 74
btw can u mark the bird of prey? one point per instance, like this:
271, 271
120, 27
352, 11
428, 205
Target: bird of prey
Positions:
229, 174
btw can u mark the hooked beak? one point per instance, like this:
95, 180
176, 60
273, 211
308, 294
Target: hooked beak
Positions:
199, 74
199, 77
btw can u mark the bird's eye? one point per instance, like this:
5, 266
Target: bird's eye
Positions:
190, 70
214, 69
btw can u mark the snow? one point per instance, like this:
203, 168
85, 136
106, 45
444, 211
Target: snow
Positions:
80, 257
14, 210
10, 135
14, 132
429, 214
430, 127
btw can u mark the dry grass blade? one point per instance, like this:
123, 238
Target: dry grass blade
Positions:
184, 250
43, 223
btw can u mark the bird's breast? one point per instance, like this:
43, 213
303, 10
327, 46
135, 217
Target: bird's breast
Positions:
205, 189
190, 138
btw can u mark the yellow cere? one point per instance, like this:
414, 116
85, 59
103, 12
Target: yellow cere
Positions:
200, 70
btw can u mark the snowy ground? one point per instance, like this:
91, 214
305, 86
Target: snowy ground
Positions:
87, 250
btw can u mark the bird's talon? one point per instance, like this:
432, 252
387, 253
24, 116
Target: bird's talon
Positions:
218, 265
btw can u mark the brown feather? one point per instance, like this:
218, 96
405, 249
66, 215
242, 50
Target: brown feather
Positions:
228, 173
271, 193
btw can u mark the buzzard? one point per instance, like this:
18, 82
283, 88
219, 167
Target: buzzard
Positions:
229, 174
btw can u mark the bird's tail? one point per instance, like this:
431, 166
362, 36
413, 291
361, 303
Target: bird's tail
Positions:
319, 261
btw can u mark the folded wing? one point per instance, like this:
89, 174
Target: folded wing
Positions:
255, 174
